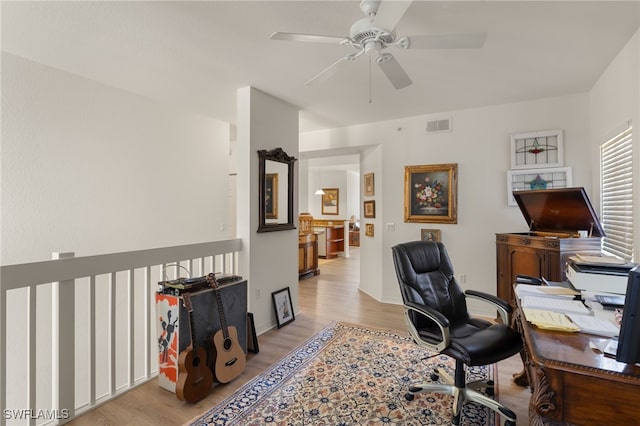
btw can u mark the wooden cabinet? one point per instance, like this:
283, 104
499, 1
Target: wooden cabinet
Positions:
538, 256
354, 238
308, 254
334, 237
554, 216
331, 237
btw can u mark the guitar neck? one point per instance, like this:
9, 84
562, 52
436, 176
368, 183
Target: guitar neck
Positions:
223, 318
192, 329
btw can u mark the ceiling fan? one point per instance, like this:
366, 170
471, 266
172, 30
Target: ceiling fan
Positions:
374, 33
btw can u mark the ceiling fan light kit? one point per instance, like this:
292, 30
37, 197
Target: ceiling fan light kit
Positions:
374, 33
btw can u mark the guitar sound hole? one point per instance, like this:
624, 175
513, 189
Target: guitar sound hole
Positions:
196, 361
227, 344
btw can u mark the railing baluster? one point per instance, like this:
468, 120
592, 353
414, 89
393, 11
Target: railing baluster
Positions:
32, 294
112, 333
64, 345
131, 329
147, 321
92, 341
3, 358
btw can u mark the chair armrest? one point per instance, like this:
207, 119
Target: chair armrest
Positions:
434, 316
503, 307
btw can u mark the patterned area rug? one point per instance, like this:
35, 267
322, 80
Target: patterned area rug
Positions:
348, 375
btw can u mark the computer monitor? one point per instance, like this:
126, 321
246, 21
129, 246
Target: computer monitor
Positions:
629, 339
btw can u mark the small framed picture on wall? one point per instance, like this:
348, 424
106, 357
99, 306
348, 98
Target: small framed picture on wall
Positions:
368, 230
370, 209
430, 235
369, 188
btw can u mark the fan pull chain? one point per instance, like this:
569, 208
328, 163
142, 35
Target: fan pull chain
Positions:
370, 101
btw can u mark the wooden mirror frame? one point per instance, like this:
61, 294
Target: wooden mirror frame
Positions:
280, 156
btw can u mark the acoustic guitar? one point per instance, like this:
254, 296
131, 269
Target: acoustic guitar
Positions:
230, 358
194, 376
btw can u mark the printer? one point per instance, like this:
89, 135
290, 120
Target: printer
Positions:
598, 274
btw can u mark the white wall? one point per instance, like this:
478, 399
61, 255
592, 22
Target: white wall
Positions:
480, 144
615, 101
270, 259
94, 169
371, 247
353, 192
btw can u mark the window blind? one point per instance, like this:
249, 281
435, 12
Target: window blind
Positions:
616, 162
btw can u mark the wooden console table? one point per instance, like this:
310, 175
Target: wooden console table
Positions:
572, 384
308, 254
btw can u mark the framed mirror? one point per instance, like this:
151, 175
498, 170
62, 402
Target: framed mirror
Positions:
276, 190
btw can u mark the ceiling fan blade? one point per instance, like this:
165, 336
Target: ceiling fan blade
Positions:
328, 72
448, 41
314, 38
389, 13
394, 72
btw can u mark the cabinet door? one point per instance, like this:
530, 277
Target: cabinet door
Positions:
527, 261
302, 258
311, 257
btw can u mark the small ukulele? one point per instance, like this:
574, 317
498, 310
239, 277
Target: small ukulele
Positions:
194, 376
230, 358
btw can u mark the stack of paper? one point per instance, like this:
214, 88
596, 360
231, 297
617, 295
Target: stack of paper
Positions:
523, 290
599, 260
555, 304
594, 325
548, 320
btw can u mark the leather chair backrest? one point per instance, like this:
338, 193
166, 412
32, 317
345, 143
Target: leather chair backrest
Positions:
426, 277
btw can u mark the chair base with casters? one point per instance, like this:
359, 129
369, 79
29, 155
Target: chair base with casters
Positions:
461, 392
438, 320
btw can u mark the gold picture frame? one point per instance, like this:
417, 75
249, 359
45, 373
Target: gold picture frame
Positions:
369, 187
271, 196
368, 229
430, 235
431, 193
370, 209
331, 201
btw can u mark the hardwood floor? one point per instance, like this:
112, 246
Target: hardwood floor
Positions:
332, 295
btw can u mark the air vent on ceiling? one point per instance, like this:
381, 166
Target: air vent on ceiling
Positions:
439, 125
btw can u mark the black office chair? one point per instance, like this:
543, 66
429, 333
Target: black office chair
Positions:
436, 314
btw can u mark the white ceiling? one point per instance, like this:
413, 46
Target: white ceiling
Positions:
197, 54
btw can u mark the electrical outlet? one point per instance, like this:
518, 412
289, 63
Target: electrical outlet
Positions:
257, 293
462, 278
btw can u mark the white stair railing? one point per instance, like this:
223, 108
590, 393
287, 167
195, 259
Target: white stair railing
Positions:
77, 331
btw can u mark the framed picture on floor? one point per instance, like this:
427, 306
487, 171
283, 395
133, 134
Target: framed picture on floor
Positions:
283, 306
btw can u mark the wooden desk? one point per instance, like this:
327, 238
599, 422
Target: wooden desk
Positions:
572, 384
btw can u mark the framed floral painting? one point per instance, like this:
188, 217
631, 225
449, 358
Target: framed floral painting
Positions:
431, 193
